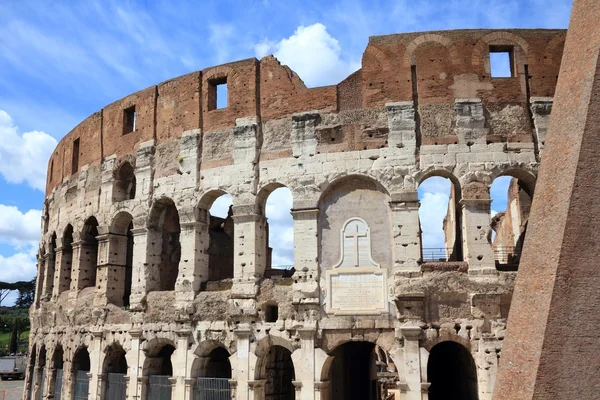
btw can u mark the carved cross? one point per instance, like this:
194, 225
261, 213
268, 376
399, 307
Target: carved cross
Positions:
355, 235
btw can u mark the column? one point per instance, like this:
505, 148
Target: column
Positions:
540, 111
304, 364
241, 367
179, 362
476, 230
412, 363
193, 267
249, 260
140, 270
322, 390
110, 275
96, 382
306, 245
40, 264
62, 275
406, 233
256, 389
49, 265
188, 388
137, 383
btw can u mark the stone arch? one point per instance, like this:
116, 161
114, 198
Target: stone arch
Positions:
158, 357
481, 47
552, 47
211, 361
452, 372
114, 359
124, 183
164, 233
274, 364
220, 232
453, 221
524, 175
409, 58
88, 259
446, 335
328, 187
263, 195
382, 59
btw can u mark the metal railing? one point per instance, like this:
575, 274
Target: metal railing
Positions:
82, 385
58, 384
116, 386
212, 389
438, 254
505, 255
159, 387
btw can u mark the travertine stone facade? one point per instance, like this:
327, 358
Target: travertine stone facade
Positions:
136, 279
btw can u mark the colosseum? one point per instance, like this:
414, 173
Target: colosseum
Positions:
143, 294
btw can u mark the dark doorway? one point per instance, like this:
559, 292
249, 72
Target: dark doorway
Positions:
213, 373
353, 373
278, 369
451, 372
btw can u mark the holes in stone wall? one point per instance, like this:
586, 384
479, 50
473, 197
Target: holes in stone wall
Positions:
502, 61
129, 120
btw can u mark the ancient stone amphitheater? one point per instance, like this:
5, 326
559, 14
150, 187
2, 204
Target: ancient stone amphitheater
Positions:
142, 294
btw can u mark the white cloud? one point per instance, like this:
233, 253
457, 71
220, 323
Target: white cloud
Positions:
24, 158
19, 229
311, 52
18, 267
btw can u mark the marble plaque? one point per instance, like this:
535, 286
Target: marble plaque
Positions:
352, 291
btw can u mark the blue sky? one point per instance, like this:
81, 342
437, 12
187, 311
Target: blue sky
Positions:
60, 61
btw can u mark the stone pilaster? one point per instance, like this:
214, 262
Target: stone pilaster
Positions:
143, 169
406, 233
412, 363
540, 111
256, 389
246, 141
110, 275
137, 383
190, 150
242, 361
140, 269
179, 361
322, 390
470, 121
304, 137
48, 282
62, 274
476, 227
402, 125
304, 365
95, 366
193, 267
306, 245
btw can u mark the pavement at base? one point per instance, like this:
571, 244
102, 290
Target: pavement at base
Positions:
11, 390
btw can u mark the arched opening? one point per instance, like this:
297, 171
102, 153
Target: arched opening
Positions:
122, 227
212, 373
81, 380
451, 372
50, 271
277, 368
42, 373
511, 205
57, 379
66, 260
439, 219
166, 231
115, 370
275, 203
159, 370
124, 183
220, 229
360, 370
88, 263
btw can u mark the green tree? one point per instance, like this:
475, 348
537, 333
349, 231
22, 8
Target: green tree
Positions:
14, 338
26, 293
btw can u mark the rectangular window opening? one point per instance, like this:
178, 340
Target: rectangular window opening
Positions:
502, 62
129, 119
218, 96
75, 157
